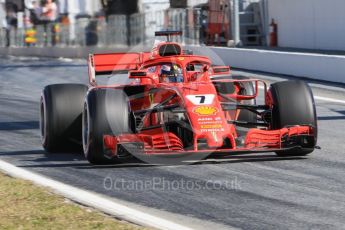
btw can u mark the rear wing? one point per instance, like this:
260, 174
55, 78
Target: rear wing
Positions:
103, 64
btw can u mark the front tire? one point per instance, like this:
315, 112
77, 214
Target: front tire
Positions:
293, 104
106, 112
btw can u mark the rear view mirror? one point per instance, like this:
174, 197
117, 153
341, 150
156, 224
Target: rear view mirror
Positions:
137, 74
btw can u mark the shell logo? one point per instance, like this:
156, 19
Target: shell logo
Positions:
205, 110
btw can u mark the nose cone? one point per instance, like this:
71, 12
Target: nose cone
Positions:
216, 140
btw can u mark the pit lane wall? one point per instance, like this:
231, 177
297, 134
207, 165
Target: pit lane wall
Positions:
57, 52
307, 65
314, 66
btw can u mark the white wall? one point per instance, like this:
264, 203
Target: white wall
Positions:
196, 2
307, 65
79, 6
314, 66
153, 5
2, 14
311, 24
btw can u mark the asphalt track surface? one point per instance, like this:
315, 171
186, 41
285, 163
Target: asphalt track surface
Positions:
258, 191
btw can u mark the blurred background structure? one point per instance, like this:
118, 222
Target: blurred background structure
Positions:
295, 23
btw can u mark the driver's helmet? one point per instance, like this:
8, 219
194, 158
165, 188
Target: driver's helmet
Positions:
171, 73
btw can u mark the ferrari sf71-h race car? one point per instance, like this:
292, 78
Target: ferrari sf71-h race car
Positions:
173, 102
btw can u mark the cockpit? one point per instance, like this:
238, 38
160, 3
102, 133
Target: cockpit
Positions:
175, 72
171, 73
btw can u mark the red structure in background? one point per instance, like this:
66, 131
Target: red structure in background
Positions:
273, 33
218, 21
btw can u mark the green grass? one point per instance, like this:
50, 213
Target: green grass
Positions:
27, 206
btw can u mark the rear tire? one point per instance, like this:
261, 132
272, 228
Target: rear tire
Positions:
61, 107
106, 111
293, 104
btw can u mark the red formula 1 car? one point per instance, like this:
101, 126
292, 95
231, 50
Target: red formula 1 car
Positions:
170, 102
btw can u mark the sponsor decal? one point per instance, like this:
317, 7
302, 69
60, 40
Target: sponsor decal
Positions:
216, 119
181, 58
205, 119
205, 110
209, 122
211, 126
211, 130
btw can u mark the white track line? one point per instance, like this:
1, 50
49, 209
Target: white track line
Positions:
321, 98
92, 200
329, 99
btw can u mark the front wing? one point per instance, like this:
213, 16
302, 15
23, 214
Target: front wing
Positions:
158, 142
